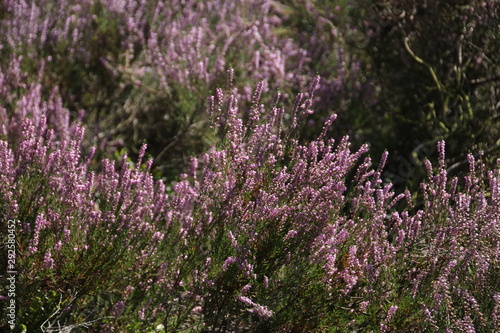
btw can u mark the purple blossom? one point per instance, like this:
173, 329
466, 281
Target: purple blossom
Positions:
252, 221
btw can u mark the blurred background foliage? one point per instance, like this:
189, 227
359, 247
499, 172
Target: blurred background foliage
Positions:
401, 75
421, 71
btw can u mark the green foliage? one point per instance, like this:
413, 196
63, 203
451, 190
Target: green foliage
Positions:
434, 66
404, 75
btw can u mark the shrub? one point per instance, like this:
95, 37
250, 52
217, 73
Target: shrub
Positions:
78, 232
142, 70
262, 233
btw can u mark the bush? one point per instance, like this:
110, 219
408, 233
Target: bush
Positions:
264, 216
262, 233
142, 70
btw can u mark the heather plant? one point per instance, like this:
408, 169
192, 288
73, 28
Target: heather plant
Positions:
323, 28
69, 38
293, 246
142, 70
401, 75
58, 45
306, 237
185, 49
81, 234
78, 232
269, 230
454, 250
262, 233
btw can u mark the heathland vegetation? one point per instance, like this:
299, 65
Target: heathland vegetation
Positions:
250, 166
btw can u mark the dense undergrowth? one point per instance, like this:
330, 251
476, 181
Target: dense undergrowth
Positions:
178, 166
